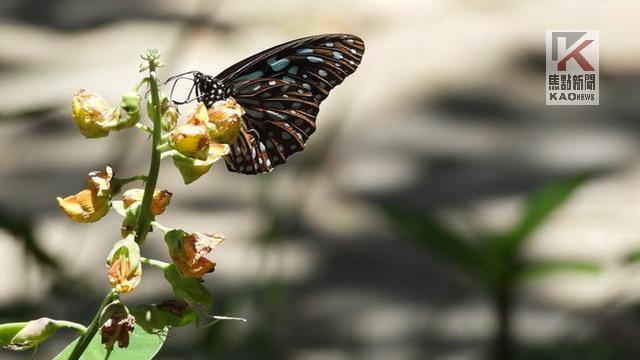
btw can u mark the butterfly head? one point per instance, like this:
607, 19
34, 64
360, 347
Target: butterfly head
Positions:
208, 88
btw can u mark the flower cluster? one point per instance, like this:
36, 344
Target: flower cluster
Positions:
194, 144
204, 138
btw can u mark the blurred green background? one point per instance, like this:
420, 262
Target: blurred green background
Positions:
441, 211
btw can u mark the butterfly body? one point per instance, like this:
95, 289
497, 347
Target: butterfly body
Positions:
211, 88
280, 89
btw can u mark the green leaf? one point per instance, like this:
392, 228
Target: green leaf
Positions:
539, 207
188, 289
437, 237
142, 346
550, 267
632, 257
170, 313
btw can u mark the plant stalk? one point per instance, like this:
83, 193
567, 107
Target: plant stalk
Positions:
503, 342
91, 331
145, 217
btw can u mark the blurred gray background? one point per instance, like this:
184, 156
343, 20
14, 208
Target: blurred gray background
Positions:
445, 115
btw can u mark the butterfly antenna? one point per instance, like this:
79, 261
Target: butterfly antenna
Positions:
179, 76
173, 87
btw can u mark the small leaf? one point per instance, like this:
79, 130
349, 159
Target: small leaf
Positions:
539, 207
188, 289
143, 346
550, 267
435, 236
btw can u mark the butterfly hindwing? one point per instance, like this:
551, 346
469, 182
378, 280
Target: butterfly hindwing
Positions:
279, 118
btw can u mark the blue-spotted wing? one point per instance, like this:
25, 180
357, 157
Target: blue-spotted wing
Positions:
280, 89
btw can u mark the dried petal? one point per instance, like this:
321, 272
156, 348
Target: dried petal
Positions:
189, 251
92, 204
160, 201
117, 329
225, 121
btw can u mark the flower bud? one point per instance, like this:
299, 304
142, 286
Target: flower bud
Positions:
188, 252
225, 121
130, 220
190, 140
129, 113
96, 118
125, 269
92, 204
191, 169
26, 335
90, 112
159, 203
117, 328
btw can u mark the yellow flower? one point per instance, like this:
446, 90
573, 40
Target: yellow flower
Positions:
96, 118
199, 116
190, 140
92, 204
125, 269
159, 203
188, 252
191, 169
225, 121
90, 111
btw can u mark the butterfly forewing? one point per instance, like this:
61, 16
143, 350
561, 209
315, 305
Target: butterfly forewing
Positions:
281, 89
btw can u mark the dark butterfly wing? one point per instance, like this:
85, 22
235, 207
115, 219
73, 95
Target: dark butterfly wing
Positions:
279, 118
319, 63
280, 89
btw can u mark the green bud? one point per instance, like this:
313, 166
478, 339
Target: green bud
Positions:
188, 289
26, 335
130, 220
129, 113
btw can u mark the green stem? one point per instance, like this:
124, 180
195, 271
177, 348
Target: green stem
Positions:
71, 325
160, 227
117, 183
153, 262
164, 147
145, 216
168, 153
91, 331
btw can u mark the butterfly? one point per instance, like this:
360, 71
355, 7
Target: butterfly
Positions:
280, 89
